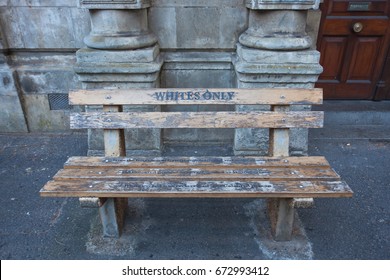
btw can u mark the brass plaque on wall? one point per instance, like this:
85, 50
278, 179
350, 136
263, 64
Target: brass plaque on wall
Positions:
359, 6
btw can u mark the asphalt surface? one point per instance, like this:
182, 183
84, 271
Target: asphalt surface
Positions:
57, 228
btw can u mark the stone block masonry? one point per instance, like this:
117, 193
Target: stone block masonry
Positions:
50, 47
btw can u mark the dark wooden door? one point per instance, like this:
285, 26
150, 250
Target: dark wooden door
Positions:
353, 41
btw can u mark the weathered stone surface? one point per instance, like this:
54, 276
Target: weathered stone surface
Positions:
163, 25
41, 118
198, 27
276, 42
119, 30
47, 80
276, 30
87, 55
38, 75
277, 57
11, 111
276, 68
141, 66
120, 72
39, 3
11, 114
7, 83
313, 25
44, 27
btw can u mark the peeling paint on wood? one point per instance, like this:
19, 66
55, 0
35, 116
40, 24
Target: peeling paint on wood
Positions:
196, 120
173, 188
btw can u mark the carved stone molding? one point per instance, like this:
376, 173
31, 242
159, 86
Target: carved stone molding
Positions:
276, 30
119, 30
114, 4
282, 4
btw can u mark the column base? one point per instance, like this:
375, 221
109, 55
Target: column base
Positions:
257, 68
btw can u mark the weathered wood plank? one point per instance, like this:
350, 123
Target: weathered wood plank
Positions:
279, 138
114, 139
259, 189
196, 96
212, 173
112, 212
281, 212
196, 120
194, 162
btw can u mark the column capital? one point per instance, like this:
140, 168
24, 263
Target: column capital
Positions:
282, 4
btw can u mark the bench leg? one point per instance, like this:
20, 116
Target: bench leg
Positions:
281, 213
112, 214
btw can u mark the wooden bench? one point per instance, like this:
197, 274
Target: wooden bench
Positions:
110, 180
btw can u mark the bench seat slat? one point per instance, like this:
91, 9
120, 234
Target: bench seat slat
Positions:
195, 96
202, 161
106, 120
200, 173
254, 189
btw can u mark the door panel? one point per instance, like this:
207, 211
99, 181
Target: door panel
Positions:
365, 50
353, 41
332, 54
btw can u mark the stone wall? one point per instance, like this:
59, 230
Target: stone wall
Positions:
42, 37
197, 45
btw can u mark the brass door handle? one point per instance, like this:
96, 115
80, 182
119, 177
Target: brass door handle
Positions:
357, 27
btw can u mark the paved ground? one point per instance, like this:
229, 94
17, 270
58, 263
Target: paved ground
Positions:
47, 228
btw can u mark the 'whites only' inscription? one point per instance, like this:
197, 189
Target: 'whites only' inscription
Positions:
194, 95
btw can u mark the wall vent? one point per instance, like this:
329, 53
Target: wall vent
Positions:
59, 101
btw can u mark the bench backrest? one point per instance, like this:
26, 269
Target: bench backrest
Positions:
279, 119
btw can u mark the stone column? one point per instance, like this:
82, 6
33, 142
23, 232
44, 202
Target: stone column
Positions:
121, 52
275, 51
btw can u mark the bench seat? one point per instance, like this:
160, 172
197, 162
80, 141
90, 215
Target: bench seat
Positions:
237, 176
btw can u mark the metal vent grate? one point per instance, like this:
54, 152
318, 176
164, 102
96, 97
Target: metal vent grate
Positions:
59, 102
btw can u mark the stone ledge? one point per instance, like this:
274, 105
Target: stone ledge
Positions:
119, 68
280, 68
114, 4
275, 42
88, 55
282, 4
270, 56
